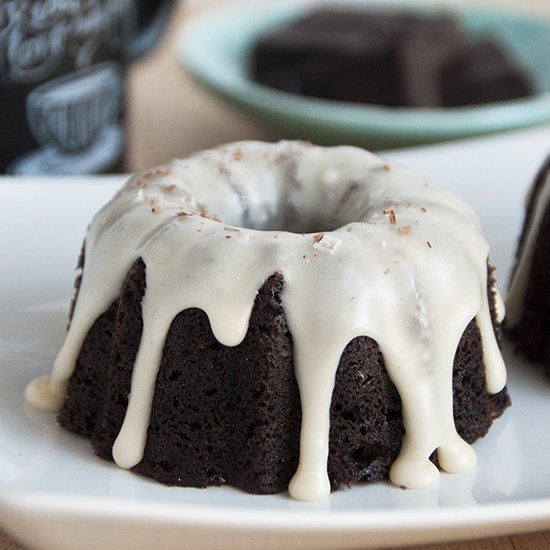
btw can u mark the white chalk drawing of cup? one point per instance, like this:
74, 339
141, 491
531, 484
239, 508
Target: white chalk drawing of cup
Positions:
69, 112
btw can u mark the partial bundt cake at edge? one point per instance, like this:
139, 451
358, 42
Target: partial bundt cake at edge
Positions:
279, 315
528, 302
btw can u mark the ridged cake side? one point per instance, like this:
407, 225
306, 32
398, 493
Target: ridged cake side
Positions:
232, 414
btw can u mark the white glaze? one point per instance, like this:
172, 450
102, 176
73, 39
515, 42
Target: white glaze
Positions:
400, 260
520, 277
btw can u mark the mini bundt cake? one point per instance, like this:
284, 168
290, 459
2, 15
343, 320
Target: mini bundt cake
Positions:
282, 315
528, 302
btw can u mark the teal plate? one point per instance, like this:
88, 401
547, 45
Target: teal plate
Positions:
215, 49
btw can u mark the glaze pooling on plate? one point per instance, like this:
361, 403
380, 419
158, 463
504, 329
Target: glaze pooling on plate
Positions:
365, 248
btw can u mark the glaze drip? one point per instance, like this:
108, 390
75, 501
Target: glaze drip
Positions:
365, 248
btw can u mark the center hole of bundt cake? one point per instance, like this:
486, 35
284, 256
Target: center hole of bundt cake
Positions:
289, 218
298, 224
292, 195
312, 216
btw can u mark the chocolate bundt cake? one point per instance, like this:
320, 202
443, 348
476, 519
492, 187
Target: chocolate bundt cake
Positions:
282, 315
528, 302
